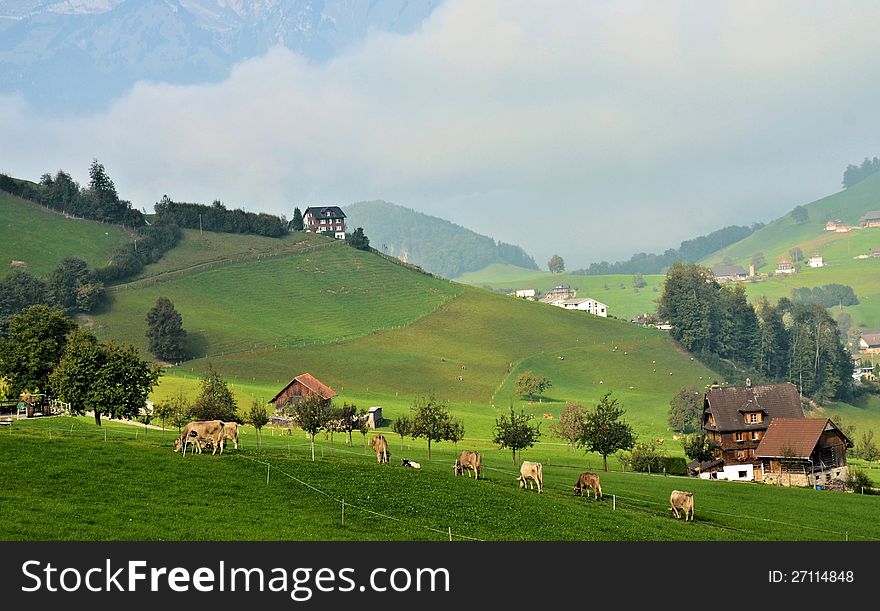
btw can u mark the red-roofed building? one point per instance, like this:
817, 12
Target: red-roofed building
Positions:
301, 387
803, 452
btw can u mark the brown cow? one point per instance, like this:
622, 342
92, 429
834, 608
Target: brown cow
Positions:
588, 481
199, 432
684, 501
533, 472
468, 460
380, 446
230, 433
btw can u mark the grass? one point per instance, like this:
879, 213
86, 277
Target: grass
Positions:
129, 488
41, 238
616, 291
293, 300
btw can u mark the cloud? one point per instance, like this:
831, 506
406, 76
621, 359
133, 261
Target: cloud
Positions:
592, 129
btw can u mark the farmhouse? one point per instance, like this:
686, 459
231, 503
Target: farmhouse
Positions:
874, 253
803, 452
729, 273
526, 294
784, 266
869, 341
560, 291
736, 417
834, 225
870, 219
325, 218
584, 304
301, 387
816, 261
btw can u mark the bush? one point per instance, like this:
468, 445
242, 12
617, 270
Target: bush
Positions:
674, 465
647, 457
858, 480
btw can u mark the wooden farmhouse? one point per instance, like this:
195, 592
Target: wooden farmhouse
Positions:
301, 387
736, 418
803, 452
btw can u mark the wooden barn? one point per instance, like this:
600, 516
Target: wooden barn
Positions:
300, 387
803, 452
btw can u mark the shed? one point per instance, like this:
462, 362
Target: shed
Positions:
374, 417
803, 451
302, 386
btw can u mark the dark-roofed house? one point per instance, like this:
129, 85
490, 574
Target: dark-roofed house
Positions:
869, 341
870, 219
803, 452
736, 417
729, 273
325, 218
300, 387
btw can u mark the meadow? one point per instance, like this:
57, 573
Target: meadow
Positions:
123, 482
41, 238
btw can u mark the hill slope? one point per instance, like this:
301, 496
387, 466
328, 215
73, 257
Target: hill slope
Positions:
41, 238
432, 243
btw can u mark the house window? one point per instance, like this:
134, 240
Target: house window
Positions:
752, 418
323, 221
756, 435
739, 438
743, 474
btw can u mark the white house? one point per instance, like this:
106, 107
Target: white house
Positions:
816, 261
526, 293
733, 473
784, 266
585, 304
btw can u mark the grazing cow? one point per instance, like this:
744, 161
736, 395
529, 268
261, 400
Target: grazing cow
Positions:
684, 501
380, 446
411, 464
533, 472
230, 432
588, 481
468, 460
202, 431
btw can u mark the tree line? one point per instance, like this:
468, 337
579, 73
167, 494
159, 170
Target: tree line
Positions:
857, 173
98, 201
786, 341
689, 251
217, 217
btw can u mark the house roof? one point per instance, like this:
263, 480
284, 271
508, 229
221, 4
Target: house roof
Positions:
783, 262
728, 403
872, 338
873, 215
795, 438
729, 270
310, 382
324, 212
706, 465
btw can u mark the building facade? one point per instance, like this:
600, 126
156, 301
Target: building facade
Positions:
325, 219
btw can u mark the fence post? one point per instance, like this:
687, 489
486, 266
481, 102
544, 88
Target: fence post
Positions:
450, 533
343, 512
267, 474
614, 502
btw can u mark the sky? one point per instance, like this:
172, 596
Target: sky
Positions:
588, 129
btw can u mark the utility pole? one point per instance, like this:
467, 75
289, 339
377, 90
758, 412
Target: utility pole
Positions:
200, 224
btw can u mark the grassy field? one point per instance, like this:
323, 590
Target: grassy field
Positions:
68, 495
326, 295
616, 291
40, 238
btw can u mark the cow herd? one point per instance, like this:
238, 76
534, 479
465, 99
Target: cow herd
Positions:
204, 433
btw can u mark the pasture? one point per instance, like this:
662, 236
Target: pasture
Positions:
133, 487
41, 238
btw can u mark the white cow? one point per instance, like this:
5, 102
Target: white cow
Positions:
533, 472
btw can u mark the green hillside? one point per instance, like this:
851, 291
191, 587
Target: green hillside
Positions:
432, 243
41, 238
844, 253
617, 291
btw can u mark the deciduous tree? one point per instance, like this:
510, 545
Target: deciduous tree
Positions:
515, 432
430, 419
604, 431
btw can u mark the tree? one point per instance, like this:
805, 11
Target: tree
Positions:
865, 448
348, 415
570, 423
165, 331
556, 265
800, 215
689, 301
696, 447
65, 282
175, 410
514, 432
310, 415
455, 431
104, 378
758, 260
296, 224
430, 419
774, 341
402, 426
215, 400
19, 290
686, 410
528, 384
646, 457
604, 432
358, 239
34, 346
796, 254
639, 281
363, 425
258, 417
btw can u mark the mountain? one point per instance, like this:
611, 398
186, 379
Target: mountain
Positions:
432, 243
79, 54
